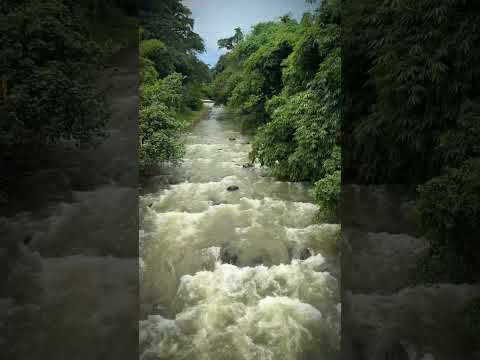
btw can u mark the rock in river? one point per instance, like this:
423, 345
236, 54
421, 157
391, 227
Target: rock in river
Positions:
228, 257
233, 188
305, 254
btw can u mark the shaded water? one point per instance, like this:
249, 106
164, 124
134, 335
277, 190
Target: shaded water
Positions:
387, 313
243, 274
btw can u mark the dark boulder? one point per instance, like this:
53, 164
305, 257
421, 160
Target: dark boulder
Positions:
27, 240
228, 257
247, 166
233, 188
232, 138
305, 254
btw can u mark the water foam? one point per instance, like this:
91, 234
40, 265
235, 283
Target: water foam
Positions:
281, 312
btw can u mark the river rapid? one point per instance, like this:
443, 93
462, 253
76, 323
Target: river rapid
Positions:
243, 274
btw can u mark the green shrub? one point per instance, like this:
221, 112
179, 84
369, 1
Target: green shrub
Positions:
449, 207
159, 140
160, 130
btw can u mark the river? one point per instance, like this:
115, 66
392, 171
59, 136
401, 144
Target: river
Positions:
244, 274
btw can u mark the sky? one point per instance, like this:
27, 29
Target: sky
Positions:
216, 19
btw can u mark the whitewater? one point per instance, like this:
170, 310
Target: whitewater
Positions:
244, 274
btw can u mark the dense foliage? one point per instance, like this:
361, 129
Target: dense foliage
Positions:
50, 55
284, 78
172, 80
412, 115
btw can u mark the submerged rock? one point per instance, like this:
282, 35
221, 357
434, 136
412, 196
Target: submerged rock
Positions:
233, 188
232, 138
247, 166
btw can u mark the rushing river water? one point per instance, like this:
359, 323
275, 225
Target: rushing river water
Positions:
243, 274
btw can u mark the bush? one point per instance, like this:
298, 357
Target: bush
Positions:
449, 206
159, 141
157, 52
160, 130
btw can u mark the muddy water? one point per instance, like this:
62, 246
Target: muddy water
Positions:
243, 274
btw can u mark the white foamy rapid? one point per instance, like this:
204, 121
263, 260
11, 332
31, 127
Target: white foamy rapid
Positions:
240, 274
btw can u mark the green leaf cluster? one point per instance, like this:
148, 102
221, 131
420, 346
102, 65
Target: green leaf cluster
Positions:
159, 128
229, 43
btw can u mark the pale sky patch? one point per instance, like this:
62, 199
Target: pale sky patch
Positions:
216, 19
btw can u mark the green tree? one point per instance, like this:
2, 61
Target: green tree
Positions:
160, 130
48, 87
157, 52
229, 43
170, 21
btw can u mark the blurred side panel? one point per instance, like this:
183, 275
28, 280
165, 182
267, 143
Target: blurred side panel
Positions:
411, 180
69, 179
